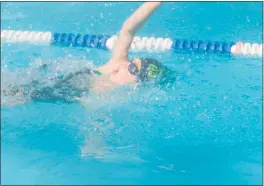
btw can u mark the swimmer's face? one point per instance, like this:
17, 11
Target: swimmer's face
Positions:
121, 74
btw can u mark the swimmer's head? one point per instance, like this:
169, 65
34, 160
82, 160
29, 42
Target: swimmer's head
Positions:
146, 69
139, 70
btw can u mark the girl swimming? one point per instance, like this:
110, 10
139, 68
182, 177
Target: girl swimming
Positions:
118, 71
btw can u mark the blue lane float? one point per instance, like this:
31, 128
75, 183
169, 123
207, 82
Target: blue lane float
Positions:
79, 40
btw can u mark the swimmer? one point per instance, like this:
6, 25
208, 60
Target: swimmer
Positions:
118, 71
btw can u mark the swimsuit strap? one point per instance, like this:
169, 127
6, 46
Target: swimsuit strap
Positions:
97, 72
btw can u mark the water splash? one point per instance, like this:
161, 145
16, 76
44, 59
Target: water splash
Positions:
46, 73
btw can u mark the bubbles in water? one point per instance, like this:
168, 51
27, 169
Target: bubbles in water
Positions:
101, 15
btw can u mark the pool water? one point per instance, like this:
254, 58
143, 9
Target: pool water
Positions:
206, 128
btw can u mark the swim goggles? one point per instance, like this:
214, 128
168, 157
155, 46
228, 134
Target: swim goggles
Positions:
133, 70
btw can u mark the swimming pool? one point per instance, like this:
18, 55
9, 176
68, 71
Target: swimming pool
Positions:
205, 129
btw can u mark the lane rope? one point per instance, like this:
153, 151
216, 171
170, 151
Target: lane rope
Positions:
150, 44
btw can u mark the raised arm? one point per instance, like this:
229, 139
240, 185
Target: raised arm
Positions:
129, 28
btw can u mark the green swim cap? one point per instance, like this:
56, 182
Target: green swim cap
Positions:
151, 69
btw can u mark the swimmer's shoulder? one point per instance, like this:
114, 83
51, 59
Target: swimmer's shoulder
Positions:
109, 67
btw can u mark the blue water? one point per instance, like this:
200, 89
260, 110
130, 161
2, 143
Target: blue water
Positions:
205, 129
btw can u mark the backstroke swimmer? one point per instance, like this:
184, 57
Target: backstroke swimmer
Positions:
118, 71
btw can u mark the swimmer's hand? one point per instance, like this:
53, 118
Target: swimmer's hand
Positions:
129, 28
